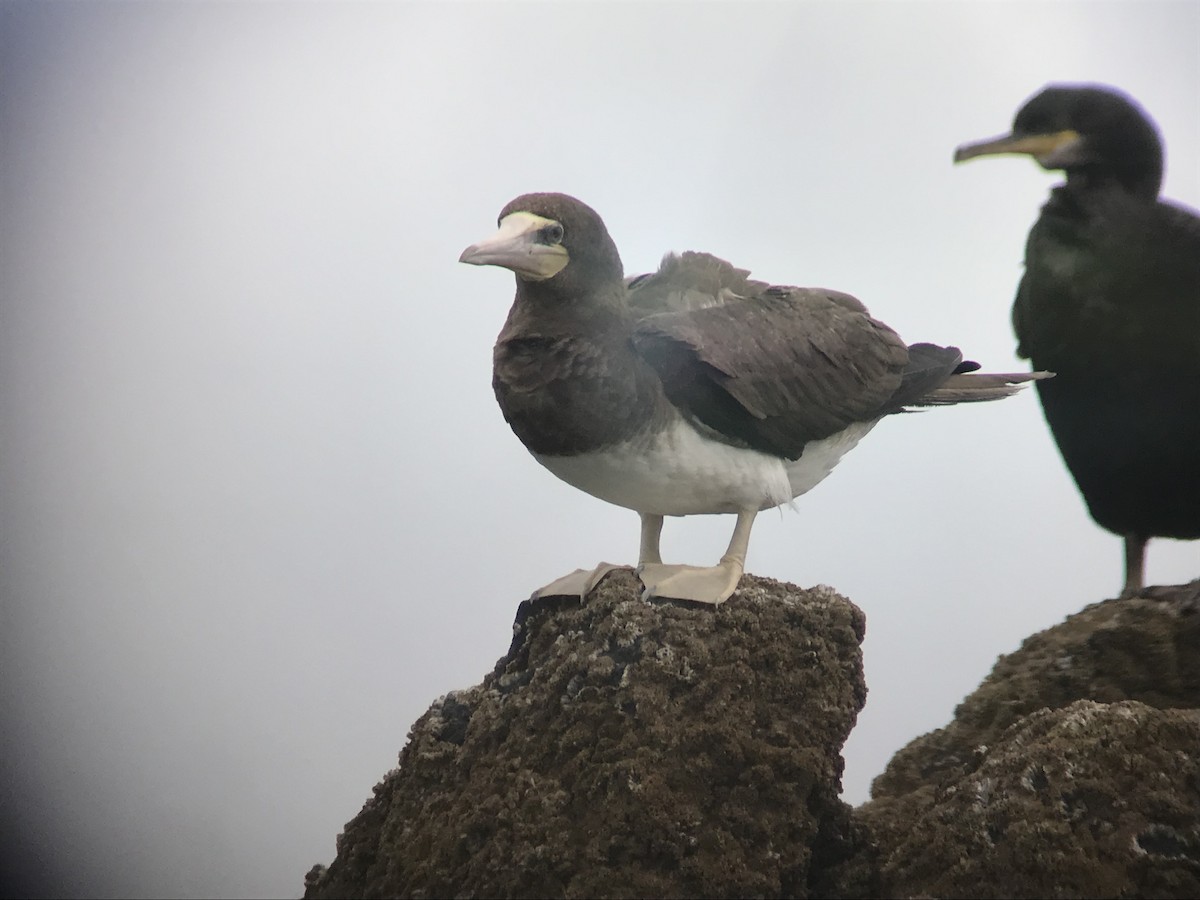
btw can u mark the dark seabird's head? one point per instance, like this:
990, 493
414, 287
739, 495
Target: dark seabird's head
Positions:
551, 239
1094, 133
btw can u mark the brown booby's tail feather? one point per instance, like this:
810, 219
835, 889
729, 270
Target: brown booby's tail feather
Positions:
977, 387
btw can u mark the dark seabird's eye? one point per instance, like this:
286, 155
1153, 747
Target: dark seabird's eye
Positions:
552, 233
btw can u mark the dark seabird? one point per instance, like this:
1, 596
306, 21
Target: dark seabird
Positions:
1110, 301
693, 389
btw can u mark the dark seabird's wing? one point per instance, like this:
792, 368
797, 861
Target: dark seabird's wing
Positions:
1110, 300
1110, 280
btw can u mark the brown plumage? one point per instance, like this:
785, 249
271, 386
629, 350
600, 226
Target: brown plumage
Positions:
694, 389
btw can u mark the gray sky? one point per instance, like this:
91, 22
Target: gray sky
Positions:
259, 506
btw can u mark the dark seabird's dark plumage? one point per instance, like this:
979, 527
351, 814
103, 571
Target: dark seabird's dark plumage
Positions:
1110, 301
694, 389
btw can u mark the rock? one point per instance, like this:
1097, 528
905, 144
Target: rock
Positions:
1092, 800
1137, 649
625, 748
1050, 781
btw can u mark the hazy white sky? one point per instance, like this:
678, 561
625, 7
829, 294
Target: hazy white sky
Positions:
259, 506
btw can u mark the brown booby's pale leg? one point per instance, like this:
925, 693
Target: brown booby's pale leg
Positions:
649, 553
582, 582
711, 584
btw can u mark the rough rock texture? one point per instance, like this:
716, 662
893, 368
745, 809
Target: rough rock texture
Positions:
1093, 800
1139, 649
1048, 782
624, 748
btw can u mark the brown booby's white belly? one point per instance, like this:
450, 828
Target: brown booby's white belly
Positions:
679, 472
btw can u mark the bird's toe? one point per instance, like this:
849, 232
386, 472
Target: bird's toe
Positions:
712, 584
578, 584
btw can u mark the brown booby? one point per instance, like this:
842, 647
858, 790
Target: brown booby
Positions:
694, 389
1110, 301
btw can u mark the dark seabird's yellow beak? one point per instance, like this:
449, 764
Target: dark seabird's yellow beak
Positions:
527, 244
1052, 151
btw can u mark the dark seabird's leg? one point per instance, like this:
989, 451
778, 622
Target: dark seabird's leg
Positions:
712, 584
1135, 565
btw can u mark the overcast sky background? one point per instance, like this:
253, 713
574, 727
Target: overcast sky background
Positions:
259, 505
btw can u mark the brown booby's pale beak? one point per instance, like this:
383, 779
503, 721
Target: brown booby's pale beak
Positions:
527, 244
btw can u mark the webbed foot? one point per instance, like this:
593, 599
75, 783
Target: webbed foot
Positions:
701, 584
579, 583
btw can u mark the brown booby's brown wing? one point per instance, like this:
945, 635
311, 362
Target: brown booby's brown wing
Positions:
688, 281
776, 370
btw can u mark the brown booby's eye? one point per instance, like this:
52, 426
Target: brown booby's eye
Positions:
552, 234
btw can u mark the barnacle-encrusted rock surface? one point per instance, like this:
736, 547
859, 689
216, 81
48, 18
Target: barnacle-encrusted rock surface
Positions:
1072, 771
626, 748
623, 748
1092, 800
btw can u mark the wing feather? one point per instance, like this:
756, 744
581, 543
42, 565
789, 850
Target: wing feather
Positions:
776, 368
690, 281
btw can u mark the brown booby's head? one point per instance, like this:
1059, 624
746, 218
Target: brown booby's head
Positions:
1091, 131
551, 238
